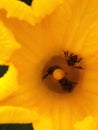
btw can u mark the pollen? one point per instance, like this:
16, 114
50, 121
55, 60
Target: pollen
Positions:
58, 74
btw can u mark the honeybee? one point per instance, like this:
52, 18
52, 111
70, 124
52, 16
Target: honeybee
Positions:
72, 59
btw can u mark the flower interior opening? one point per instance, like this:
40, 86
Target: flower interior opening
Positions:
62, 73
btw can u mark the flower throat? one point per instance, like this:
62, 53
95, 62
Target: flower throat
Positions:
62, 73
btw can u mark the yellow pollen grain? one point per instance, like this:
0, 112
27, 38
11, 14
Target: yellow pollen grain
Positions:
58, 74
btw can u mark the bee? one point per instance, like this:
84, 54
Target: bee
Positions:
72, 59
67, 84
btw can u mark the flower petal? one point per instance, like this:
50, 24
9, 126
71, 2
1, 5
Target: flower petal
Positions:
7, 43
8, 83
83, 27
90, 82
18, 9
45, 123
31, 14
10, 114
87, 124
42, 8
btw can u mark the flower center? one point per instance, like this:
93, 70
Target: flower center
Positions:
62, 73
58, 74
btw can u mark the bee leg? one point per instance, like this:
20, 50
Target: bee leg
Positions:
78, 67
71, 54
45, 76
49, 71
74, 82
65, 54
79, 60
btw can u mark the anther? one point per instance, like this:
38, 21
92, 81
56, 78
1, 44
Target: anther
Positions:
58, 74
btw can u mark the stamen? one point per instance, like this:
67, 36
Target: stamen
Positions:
58, 74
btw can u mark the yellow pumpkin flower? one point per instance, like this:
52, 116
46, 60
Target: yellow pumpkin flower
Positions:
18, 9
25, 117
57, 62
12, 112
88, 123
8, 45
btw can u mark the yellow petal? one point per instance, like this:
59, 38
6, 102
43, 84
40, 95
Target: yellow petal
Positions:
90, 81
10, 114
13, 114
8, 83
44, 123
31, 14
42, 8
39, 43
83, 27
7, 43
18, 9
87, 124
